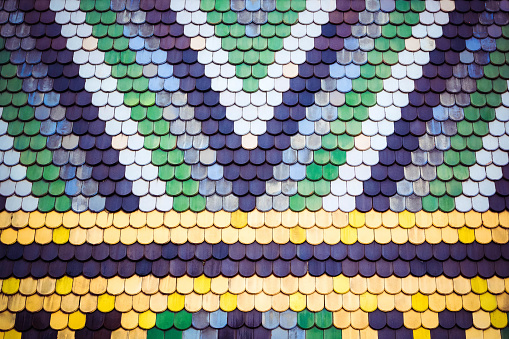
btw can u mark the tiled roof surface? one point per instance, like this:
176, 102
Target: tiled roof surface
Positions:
254, 169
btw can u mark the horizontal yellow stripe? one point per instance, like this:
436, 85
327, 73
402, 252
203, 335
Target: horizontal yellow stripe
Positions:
247, 235
255, 219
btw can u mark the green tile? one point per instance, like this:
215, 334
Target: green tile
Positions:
151, 142
115, 31
173, 333
353, 99
159, 157
21, 143
268, 31
175, 157
375, 85
237, 30
155, 333
282, 30
338, 157
229, 17
183, 172
467, 158
446, 203
93, 18
27, 158
128, 57
125, 85
228, 43
207, 5
275, 44
323, 319
259, 71
471, 113
243, 71
140, 84
383, 71
329, 141
314, 333
345, 142
412, 18
332, 333
461, 173
481, 128
214, 18
360, 85
451, 158
290, 17
112, 57
197, 203
321, 156
174, 187
382, 44
402, 6
437, 188
389, 31
330, 172
305, 319
305, 188
63, 204
251, 57
51, 173
487, 114
44, 157
297, 203
235, 57
465, 128
444, 172
14, 85
259, 44
353, 127
182, 319
34, 173
119, 71
105, 44
166, 172
390, 57
20, 99
474, 143
145, 127
57, 188
375, 57
429, 203
368, 99
102, 5
417, 5
161, 127
458, 142
222, 5
46, 204
274, 18
368, 71
396, 18
15, 128
222, 30
40, 188
453, 188
314, 171
190, 187
298, 5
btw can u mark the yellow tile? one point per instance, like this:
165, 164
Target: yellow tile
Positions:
356, 218
147, 320
436, 302
263, 235
450, 235
473, 219
202, 284
339, 219
35, 219
422, 333
488, 302
228, 302
359, 320
433, 235
456, 219
193, 302
429, 319
26, 236
490, 219
368, 302
64, 285
498, 319
61, 235
272, 218
348, 235
77, 320
145, 235
8, 236
297, 302
262, 302
150, 284
483, 235
99, 285
324, 284
121, 219
138, 219
178, 235
341, 284
59, 320
406, 219
105, 303
453, 302
341, 319
375, 285
176, 302
403, 302
423, 219
161, 235
102, 219
473, 333
492, 333
10, 286
358, 284
399, 235
12, 334
123, 303
466, 235
471, 302
95, 235
280, 302
390, 219
412, 320
479, 285
383, 235
323, 219
155, 219
365, 235
77, 236
297, 235
5, 219
222, 219
500, 235
333, 302
204, 219
416, 235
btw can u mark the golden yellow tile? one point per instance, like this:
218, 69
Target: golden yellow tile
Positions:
247, 235
473, 219
155, 219
53, 219
98, 285
333, 302
280, 302
64, 285
341, 284
5, 219
324, 284
351, 301
238, 219
26, 236
392, 284
323, 219
453, 302
427, 284
34, 220
161, 235
95, 235
228, 302
137, 219
348, 235
481, 319
105, 303
410, 285
306, 219
210, 302
416, 235
503, 219
314, 235
193, 302
129, 320
383, 235
4, 300
132, 285
159, 302
466, 235
8, 236
297, 302
202, 284
456, 219
67, 333
356, 219
368, 302
137, 333
188, 219
120, 219
281, 235
128, 235
230, 235
88, 304
488, 302
419, 302
365, 235
46, 286
289, 218
59, 320
492, 333
399, 235
339, 219
34, 303
406, 219
85, 219
341, 319
479, 285
423, 219
358, 284
255, 219
104, 219
70, 303
123, 303
359, 319
375, 284
212, 235
490, 219
178, 235
433, 235
10, 285
184, 284
297, 235
440, 219
245, 302
422, 333
436, 302
111, 235
471, 302
147, 319
141, 302
80, 285
390, 219
402, 302
450, 235
307, 284
150, 284
332, 235
272, 218
315, 302
219, 285
222, 219
412, 319
145, 235
462, 285
16, 303
498, 319
289, 284
483, 235
76, 320
60, 235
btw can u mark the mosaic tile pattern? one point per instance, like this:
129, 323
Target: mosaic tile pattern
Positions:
254, 168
